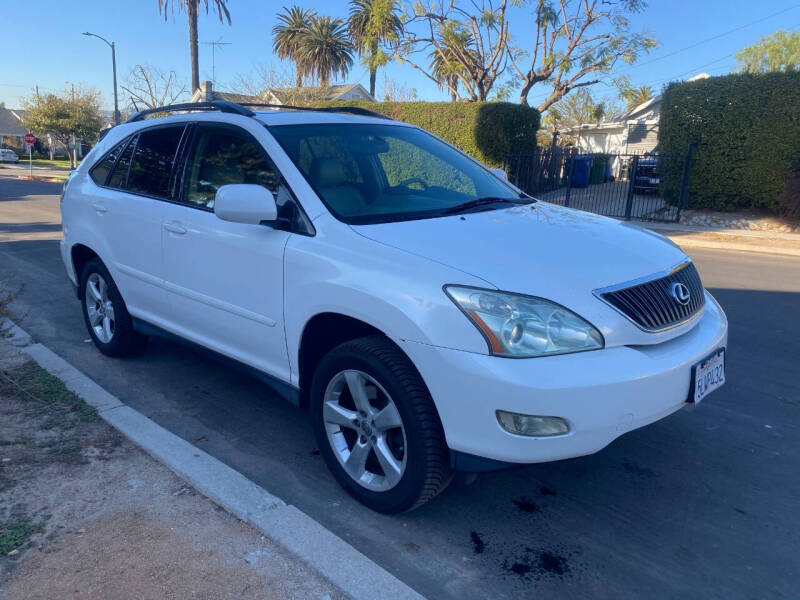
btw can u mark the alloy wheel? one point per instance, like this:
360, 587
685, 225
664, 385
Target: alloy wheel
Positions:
365, 430
99, 308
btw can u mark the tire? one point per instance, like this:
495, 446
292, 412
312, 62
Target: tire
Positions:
418, 445
105, 314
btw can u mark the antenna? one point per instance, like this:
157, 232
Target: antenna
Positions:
214, 46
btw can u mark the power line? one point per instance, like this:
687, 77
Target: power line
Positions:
670, 78
709, 39
694, 45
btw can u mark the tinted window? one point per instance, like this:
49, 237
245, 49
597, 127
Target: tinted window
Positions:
101, 170
151, 169
119, 178
222, 156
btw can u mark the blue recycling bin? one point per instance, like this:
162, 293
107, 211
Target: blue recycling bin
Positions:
581, 168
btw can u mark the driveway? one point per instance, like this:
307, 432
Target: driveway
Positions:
700, 505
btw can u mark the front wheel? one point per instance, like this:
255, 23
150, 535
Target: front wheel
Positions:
377, 427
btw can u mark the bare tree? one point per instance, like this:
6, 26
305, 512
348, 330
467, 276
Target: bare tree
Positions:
574, 39
261, 77
394, 91
470, 37
150, 87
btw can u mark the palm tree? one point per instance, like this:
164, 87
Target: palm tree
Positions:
325, 50
192, 9
636, 96
293, 25
445, 67
372, 23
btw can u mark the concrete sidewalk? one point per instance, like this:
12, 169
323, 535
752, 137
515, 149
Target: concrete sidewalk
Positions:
689, 236
315, 562
21, 171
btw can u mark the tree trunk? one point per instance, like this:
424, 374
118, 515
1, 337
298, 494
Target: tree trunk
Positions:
191, 9
453, 88
299, 75
373, 71
523, 94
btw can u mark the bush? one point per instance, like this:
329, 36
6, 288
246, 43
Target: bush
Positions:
488, 131
747, 130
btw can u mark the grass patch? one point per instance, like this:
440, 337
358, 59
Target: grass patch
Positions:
15, 534
29, 382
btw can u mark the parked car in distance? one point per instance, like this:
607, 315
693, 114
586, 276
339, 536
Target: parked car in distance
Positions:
646, 180
429, 315
8, 156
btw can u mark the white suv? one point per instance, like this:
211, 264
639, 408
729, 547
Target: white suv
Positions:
431, 316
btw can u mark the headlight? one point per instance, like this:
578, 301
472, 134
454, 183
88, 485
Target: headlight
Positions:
524, 326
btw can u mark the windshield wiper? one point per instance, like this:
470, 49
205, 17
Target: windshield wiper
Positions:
459, 208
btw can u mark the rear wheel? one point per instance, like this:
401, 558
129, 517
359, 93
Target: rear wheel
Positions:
377, 427
104, 311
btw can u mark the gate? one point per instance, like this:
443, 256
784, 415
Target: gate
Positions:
645, 186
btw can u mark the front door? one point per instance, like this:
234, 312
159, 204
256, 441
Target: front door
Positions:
224, 280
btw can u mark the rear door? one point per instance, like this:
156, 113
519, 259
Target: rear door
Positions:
129, 208
225, 280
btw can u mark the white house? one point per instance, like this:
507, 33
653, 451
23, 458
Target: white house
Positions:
304, 95
636, 132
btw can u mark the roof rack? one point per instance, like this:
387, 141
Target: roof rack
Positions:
220, 105
354, 110
239, 108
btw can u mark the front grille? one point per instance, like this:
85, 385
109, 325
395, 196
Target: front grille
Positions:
652, 305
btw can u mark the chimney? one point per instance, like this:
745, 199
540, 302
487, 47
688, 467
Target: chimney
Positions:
206, 91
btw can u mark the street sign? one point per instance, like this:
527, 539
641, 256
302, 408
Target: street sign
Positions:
30, 138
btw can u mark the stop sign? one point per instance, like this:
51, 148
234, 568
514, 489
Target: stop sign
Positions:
30, 138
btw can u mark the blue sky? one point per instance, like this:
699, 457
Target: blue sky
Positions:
48, 49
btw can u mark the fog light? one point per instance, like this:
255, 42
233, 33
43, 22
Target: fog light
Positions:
532, 425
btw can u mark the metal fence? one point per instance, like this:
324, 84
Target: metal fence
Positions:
622, 185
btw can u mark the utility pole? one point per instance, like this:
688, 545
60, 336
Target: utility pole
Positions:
214, 46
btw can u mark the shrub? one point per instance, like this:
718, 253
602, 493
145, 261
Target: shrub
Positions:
747, 130
488, 131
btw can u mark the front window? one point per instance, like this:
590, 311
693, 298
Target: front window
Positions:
380, 173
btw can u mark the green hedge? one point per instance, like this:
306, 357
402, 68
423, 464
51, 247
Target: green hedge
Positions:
488, 131
747, 130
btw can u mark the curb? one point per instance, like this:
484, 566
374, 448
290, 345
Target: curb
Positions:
355, 575
46, 179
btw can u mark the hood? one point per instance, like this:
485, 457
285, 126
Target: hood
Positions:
539, 249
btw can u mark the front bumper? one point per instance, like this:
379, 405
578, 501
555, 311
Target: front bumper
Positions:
602, 394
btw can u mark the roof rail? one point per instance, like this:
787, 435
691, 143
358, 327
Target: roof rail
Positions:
220, 105
355, 110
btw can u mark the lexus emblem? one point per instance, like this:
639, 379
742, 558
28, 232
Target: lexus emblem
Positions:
681, 293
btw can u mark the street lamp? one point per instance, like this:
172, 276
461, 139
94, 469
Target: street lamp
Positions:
114, 65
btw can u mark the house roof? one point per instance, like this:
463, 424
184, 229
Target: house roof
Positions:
641, 108
11, 122
296, 95
303, 95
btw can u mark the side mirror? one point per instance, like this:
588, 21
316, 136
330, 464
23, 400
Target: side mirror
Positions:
245, 203
501, 173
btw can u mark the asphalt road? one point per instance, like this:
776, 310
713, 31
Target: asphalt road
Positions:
703, 504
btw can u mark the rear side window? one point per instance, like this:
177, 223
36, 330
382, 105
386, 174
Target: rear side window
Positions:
119, 178
153, 159
100, 171
221, 156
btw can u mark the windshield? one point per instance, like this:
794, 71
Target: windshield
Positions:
375, 173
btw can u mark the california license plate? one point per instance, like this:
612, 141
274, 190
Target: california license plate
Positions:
708, 375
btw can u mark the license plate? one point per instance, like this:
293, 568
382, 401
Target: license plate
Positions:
707, 376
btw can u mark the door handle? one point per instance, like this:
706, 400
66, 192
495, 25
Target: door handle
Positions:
174, 228
99, 207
